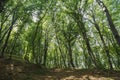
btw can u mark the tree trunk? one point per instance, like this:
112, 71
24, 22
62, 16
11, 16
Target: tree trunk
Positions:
45, 48
70, 54
102, 39
111, 24
63, 57
79, 21
10, 29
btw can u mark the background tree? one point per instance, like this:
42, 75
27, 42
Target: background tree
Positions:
61, 34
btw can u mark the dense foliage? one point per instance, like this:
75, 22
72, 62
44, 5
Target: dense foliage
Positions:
62, 33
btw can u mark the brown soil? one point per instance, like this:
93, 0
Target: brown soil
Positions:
16, 70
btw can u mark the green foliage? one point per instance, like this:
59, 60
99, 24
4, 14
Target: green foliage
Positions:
46, 31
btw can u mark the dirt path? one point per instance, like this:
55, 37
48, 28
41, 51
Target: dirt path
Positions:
84, 74
16, 70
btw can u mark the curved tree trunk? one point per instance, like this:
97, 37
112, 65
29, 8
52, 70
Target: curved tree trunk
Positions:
102, 39
111, 24
79, 21
7, 38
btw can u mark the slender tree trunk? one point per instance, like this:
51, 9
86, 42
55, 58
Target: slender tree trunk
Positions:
117, 50
70, 54
79, 21
7, 38
35, 35
102, 39
63, 58
89, 49
111, 24
46, 45
11, 51
15, 39
45, 49
69, 48
105, 47
2, 23
3, 36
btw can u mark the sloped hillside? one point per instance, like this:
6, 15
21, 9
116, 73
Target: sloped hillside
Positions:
17, 70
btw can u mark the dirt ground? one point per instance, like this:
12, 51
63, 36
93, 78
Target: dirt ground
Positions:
16, 70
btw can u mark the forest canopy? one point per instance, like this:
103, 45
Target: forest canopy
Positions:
61, 33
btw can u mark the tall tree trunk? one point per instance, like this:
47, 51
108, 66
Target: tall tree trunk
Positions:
117, 50
90, 52
102, 39
15, 39
35, 35
2, 23
79, 21
7, 38
70, 54
63, 57
69, 48
111, 24
46, 45
45, 49
105, 47
11, 51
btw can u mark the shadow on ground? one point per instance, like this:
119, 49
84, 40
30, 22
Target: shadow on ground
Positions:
16, 70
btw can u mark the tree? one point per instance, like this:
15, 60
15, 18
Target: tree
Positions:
111, 24
14, 18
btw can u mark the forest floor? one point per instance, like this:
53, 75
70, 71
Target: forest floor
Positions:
17, 70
